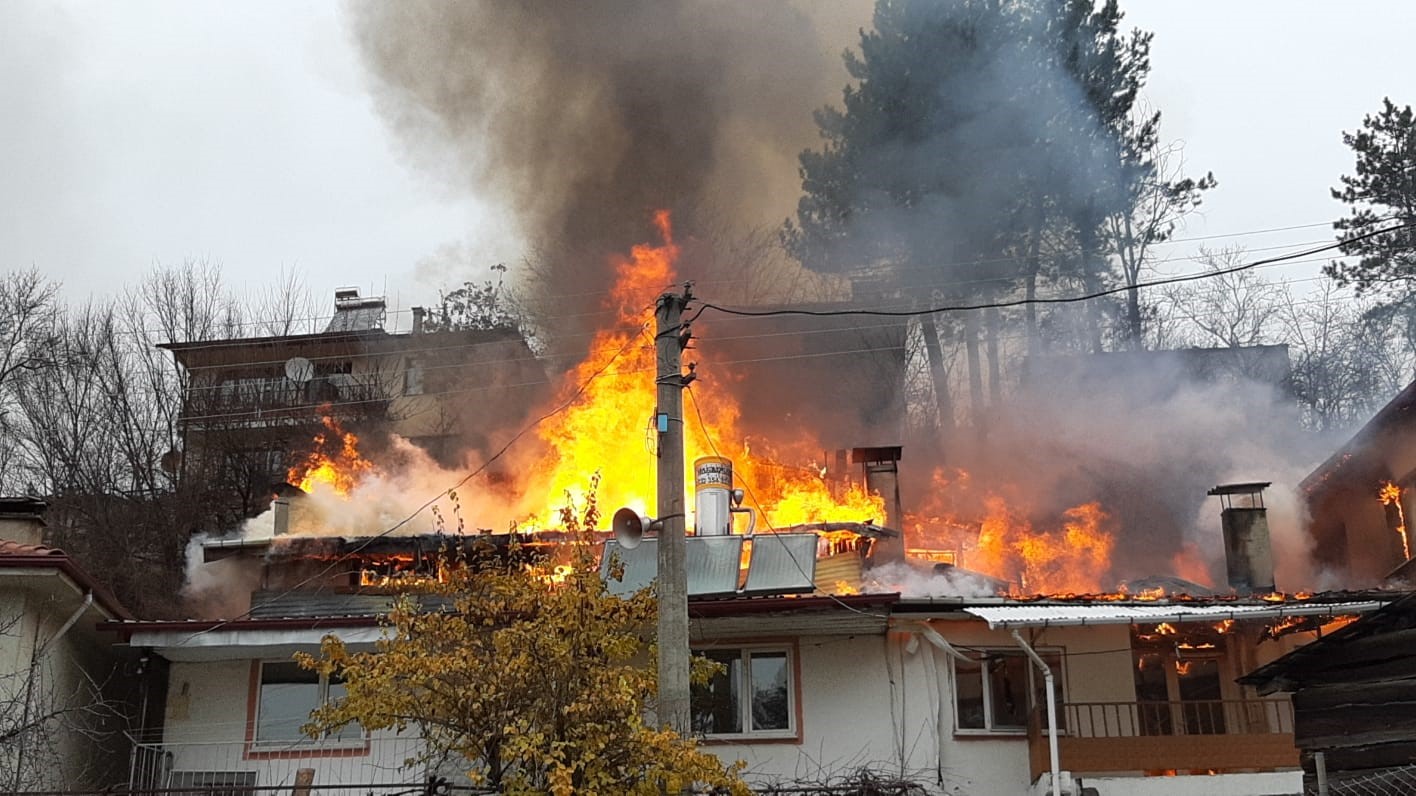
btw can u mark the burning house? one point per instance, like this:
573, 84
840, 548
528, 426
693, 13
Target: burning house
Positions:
1360, 497
956, 690
973, 639
250, 402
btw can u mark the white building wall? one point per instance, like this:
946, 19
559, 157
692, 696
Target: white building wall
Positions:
887, 703
205, 730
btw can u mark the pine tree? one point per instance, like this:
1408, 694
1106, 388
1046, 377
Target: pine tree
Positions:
1383, 192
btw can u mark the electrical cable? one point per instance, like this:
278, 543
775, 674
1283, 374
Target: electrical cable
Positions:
1051, 300
703, 427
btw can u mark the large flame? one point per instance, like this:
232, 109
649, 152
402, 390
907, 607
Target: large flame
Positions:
607, 426
333, 463
1070, 559
975, 525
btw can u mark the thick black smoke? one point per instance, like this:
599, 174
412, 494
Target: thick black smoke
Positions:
582, 118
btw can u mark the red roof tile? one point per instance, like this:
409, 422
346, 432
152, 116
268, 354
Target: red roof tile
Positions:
9, 548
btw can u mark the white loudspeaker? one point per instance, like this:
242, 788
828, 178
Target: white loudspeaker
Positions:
630, 527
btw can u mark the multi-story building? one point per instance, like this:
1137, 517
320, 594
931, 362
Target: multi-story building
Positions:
252, 403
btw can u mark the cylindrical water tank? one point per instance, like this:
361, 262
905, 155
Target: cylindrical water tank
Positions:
712, 492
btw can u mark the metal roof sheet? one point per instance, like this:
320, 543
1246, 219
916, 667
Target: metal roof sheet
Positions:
1003, 616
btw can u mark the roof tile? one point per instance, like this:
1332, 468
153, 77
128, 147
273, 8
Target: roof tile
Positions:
9, 548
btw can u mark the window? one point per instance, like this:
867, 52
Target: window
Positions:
753, 695
996, 692
413, 377
286, 697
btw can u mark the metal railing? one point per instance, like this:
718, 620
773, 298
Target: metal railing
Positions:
236, 766
1199, 717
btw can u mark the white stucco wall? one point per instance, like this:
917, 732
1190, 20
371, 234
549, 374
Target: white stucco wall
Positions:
205, 729
887, 703
79, 747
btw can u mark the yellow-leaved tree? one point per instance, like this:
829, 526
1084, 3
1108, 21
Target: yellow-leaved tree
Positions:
528, 669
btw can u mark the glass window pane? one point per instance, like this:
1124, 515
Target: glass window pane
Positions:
1008, 691
968, 695
717, 706
350, 732
771, 704
288, 694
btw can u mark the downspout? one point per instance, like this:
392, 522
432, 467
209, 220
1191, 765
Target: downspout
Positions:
1051, 711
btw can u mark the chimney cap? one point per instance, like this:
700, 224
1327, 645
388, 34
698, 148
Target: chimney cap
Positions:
876, 454
1247, 488
23, 508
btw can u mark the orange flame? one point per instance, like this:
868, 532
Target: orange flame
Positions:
607, 427
1071, 559
1189, 563
1390, 495
334, 462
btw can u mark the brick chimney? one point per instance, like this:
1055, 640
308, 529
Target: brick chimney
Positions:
22, 520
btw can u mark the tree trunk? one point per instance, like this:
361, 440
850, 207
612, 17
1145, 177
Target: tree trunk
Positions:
1133, 318
1130, 262
1030, 279
1086, 240
993, 323
975, 367
935, 354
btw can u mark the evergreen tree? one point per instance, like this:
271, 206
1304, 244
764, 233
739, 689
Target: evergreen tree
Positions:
1382, 192
974, 131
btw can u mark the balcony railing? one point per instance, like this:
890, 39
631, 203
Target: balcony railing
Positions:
254, 399
234, 768
1169, 737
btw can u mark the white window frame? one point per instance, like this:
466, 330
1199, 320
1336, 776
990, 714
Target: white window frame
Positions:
744, 652
1035, 684
326, 740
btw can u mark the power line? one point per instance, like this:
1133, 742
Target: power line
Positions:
1052, 300
703, 427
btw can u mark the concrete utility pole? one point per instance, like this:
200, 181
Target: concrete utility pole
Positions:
670, 338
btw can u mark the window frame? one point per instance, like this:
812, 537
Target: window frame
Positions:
1035, 686
326, 745
744, 650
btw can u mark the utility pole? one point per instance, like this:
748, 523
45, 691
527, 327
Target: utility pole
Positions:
670, 338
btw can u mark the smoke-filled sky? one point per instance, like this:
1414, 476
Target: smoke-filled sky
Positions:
260, 135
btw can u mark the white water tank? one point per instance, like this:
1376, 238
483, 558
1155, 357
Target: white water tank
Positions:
712, 494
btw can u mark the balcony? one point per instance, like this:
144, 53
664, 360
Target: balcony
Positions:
1217, 736
380, 764
251, 401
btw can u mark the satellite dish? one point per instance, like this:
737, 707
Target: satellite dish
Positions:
299, 370
171, 461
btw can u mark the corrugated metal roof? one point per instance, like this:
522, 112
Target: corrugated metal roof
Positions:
295, 604
1002, 616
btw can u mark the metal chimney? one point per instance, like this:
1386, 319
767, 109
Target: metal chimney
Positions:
882, 476
1248, 554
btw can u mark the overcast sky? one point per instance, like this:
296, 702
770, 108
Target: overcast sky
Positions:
142, 132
